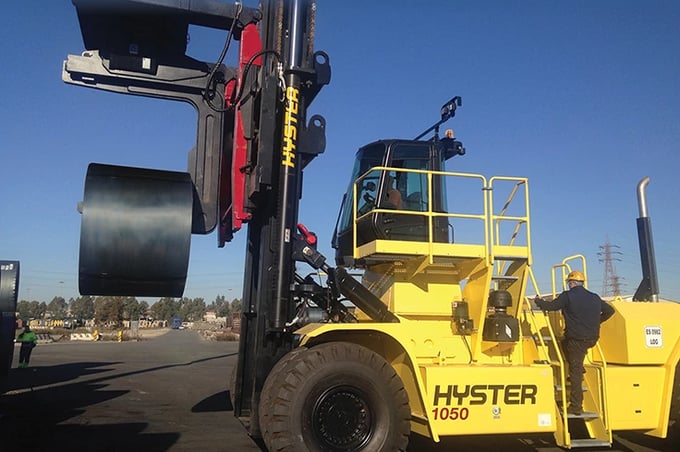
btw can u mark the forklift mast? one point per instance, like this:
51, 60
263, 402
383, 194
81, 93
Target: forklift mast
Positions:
286, 144
253, 142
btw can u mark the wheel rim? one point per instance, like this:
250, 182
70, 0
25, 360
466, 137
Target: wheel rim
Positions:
342, 418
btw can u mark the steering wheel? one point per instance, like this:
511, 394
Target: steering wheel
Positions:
370, 204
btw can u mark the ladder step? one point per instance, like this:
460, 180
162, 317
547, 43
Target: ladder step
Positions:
559, 388
546, 338
585, 415
590, 442
509, 258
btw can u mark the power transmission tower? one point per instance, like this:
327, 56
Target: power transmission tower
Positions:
611, 282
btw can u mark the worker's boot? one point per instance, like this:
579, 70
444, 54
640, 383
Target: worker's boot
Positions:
575, 410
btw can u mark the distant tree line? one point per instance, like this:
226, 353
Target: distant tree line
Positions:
116, 309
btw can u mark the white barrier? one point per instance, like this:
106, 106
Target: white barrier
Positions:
82, 337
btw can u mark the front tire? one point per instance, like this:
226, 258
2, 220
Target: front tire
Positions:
334, 397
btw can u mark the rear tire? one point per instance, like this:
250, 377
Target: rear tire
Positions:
232, 387
674, 415
334, 397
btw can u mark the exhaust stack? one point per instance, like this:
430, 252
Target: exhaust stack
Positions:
648, 290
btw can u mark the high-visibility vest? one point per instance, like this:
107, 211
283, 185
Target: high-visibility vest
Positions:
28, 338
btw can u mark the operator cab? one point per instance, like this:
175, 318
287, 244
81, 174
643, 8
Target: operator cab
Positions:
394, 198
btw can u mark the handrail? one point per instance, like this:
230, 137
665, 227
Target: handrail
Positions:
566, 269
491, 226
582, 258
562, 376
496, 219
534, 324
602, 377
552, 271
548, 323
533, 280
501, 214
429, 213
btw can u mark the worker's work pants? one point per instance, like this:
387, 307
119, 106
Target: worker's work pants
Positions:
25, 353
575, 352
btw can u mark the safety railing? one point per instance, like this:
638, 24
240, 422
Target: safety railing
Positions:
544, 350
602, 397
535, 327
566, 268
557, 321
492, 222
428, 211
520, 219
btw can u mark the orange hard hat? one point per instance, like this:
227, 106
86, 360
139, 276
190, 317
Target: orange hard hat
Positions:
576, 276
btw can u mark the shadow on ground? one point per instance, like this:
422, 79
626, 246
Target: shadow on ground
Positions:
216, 402
30, 418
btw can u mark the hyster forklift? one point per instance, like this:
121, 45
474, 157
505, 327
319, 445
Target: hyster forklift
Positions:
438, 337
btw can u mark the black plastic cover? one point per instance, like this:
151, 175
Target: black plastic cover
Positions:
9, 291
9, 285
153, 27
501, 328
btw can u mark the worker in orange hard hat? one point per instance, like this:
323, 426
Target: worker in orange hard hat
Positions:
583, 312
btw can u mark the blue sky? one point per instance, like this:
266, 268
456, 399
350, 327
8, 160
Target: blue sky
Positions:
582, 97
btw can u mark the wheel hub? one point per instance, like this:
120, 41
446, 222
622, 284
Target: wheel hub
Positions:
342, 419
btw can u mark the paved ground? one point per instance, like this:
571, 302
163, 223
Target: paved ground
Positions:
169, 393
164, 393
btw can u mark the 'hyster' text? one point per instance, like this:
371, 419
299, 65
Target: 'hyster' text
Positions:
481, 394
290, 124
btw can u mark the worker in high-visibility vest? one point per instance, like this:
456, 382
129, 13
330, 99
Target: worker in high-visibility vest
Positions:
28, 341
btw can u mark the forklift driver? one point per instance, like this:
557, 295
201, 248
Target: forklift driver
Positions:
393, 195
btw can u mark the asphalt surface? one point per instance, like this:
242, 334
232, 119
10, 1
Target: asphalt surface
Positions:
169, 393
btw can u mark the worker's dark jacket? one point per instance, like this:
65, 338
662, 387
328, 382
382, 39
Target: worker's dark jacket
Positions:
583, 312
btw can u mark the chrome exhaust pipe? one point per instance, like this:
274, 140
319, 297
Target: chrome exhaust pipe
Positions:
648, 290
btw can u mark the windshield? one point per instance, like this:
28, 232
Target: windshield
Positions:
367, 158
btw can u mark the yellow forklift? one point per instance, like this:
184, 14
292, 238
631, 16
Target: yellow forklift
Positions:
439, 337
461, 350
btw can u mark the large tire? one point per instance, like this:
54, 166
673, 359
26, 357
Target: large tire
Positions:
232, 387
334, 397
674, 415
267, 393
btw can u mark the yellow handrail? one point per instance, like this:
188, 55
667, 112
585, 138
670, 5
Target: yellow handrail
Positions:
496, 219
429, 213
501, 214
566, 438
